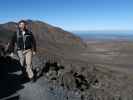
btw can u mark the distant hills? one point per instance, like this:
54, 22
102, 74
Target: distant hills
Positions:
49, 38
105, 35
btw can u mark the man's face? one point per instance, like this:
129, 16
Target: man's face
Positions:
21, 25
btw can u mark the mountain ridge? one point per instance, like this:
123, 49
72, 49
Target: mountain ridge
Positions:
47, 36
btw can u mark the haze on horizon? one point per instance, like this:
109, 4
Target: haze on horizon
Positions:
72, 14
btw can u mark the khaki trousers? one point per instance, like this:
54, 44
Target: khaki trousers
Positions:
25, 58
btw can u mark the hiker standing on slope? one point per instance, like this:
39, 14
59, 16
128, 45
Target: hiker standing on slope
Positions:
25, 43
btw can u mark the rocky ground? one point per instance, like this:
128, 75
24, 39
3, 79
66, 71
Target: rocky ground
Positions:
101, 72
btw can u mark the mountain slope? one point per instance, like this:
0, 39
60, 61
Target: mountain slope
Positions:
48, 37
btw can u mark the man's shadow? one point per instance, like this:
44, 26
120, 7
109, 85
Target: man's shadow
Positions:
10, 82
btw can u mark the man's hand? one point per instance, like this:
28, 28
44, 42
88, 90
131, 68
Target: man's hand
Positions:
34, 52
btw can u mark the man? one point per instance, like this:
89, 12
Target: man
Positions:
25, 44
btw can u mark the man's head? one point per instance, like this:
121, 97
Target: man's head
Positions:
22, 25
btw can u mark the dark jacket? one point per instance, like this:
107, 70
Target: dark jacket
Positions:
23, 42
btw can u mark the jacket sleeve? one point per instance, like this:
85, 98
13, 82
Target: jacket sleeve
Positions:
34, 43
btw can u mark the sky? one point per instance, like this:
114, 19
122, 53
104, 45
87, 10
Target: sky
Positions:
72, 15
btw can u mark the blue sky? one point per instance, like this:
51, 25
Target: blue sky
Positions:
72, 14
